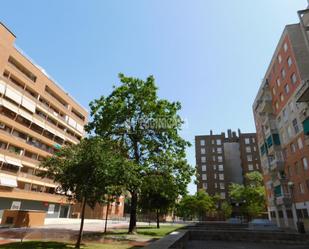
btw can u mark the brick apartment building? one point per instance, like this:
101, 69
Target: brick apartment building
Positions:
282, 122
222, 160
36, 118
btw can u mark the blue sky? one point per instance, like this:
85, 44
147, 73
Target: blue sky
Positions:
210, 55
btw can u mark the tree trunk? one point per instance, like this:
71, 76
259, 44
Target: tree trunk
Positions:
80, 235
158, 219
132, 226
106, 216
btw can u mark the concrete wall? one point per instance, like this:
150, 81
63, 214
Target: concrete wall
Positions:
232, 167
29, 205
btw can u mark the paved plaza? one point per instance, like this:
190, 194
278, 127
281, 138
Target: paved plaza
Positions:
196, 244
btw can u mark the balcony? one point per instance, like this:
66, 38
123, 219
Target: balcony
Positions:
35, 178
277, 165
302, 94
265, 106
285, 200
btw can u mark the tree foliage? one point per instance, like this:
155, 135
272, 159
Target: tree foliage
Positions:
196, 206
88, 172
147, 128
251, 196
158, 194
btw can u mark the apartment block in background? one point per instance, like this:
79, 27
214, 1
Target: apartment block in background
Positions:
36, 118
282, 124
222, 160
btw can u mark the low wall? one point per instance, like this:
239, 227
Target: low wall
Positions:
23, 218
175, 240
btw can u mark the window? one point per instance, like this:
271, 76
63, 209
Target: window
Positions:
214, 158
203, 151
287, 88
221, 177
295, 125
216, 185
274, 91
283, 73
257, 166
253, 140
289, 131
279, 58
300, 143
219, 150
290, 61
204, 177
247, 140
212, 141
248, 149
222, 195
254, 148
220, 159
250, 167
249, 158
305, 163
222, 185
293, 148
218, 141
205, 186
278, 82
291, 106
301, 188
290, 171
214, 167
277, 105
281, 97
202, 142
203, 159
285, 47
204, 167
220, 167
51, 208
293, 78
284, 115
215, 176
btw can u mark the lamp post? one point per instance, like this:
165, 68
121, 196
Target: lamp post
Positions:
299, 224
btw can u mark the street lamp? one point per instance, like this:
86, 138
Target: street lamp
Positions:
299, 223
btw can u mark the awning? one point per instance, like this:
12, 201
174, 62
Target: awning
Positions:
8, 182
13, 161
306, 126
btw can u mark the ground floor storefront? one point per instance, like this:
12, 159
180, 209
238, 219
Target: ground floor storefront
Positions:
288, 216
53, 210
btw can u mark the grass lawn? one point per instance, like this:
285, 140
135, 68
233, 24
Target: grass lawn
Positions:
58, 245
144, 231
119, 235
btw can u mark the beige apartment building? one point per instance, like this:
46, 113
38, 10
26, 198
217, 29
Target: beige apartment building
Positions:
37, 117
282, 123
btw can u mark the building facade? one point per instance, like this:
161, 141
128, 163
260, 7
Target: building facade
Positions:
36, 118
222, 160
281, 118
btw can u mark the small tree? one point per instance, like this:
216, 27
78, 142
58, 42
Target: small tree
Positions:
87, 170
158, 194
251, 196
196, 206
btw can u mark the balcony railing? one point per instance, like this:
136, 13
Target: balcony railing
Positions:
302, 94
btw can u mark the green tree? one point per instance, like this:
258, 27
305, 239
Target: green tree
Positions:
87, 171
158, 194
250, 196
226, 209
196, 206
147, 127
